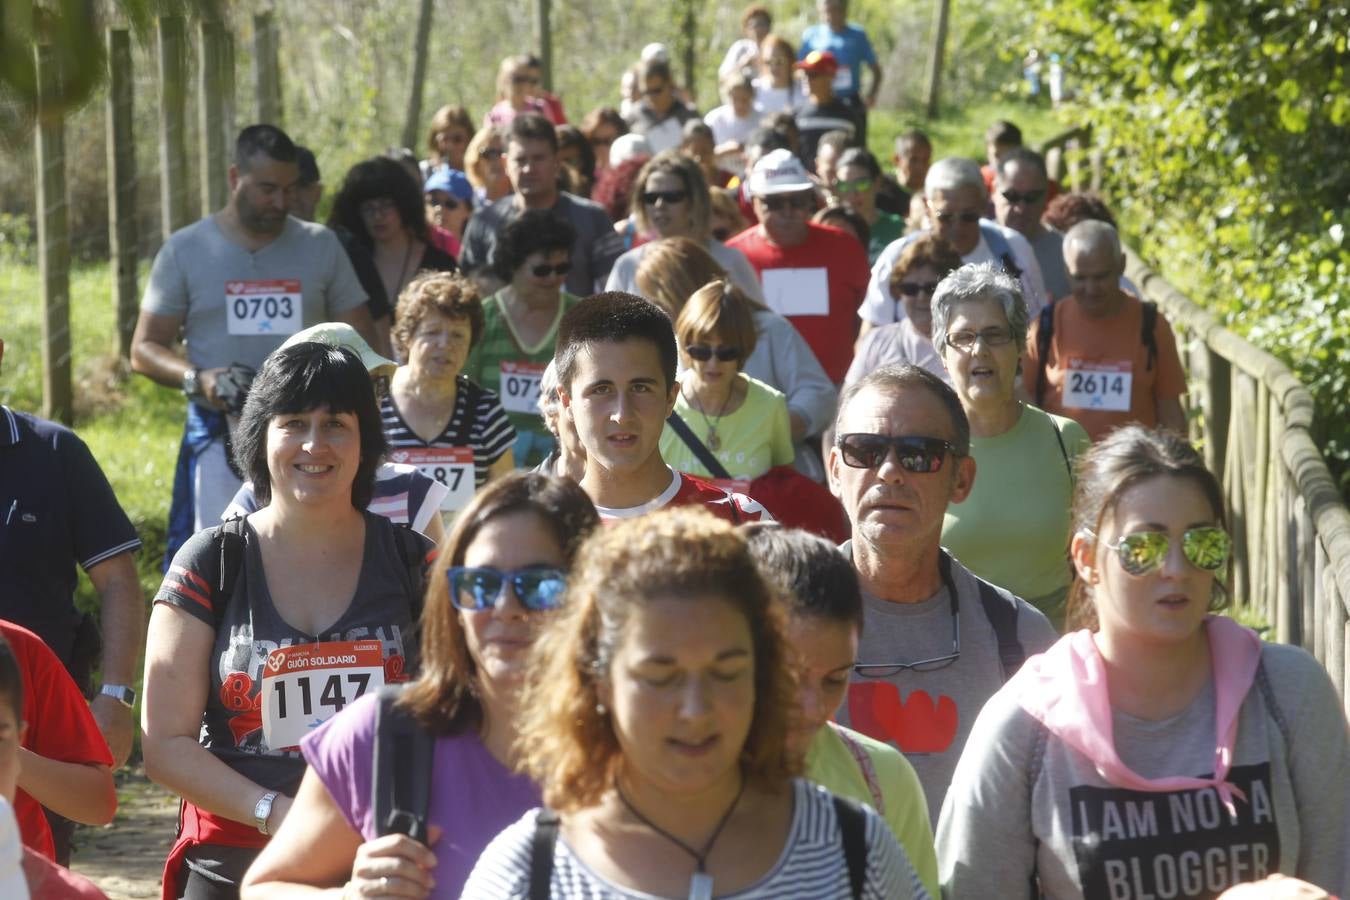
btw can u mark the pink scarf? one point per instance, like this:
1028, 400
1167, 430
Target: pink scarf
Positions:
1065, 689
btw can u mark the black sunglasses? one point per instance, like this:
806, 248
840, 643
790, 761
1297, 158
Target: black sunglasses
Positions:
794, 201
915, 453
703, 353
544, 270
914, 288
491, 153
1017, 197
649, 198
476, 588
967, 217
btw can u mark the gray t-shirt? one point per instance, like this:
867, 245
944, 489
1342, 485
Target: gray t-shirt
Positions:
222, 290
928, 715
593, 252
1049, 249
1023, 804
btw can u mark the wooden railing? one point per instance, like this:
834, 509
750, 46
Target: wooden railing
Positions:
1066, 155
1292, 530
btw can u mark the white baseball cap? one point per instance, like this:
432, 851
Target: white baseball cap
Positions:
340, 334
779, 172
628, 146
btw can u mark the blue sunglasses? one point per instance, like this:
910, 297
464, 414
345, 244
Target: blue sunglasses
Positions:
476, 588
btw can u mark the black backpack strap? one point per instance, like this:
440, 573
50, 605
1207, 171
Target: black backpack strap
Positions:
400, 789
1063, 451
416, 560
1149, 322
705, 456
1045, 331
541, 853
853, 836
1011, 267
230, 544
1001, 610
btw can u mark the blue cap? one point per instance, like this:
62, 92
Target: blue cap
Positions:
452, 181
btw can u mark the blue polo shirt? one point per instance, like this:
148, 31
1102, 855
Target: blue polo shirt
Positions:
56, 510
851, 49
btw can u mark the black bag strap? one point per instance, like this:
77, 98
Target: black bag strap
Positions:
705, 456
1045, 332
416, 560
1149, 321
541, 853
1001, 611
230, 547
400, 789
853, 836
1063, 451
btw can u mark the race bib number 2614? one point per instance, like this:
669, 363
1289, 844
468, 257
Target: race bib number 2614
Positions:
1101, 385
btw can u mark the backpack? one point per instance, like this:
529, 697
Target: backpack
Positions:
1002, 250
400, 782
1001, 611
852, 837
1045, 331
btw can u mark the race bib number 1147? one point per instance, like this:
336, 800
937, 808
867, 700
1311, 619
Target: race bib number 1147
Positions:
305, 685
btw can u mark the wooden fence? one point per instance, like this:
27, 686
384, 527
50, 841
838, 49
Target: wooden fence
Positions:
1291, 528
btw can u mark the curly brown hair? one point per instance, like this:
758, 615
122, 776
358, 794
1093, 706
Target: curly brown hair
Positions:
450, 294
567, 743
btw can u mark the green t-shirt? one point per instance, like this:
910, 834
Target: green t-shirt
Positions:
1013, 529
888, 229
752, 440
500, 349
831, 764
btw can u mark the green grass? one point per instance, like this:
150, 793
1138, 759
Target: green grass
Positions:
960, 132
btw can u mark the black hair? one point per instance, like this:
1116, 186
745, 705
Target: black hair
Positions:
861, 229
535, 231
861, 157
1003, 132
269, 140
1025, 157
532, 127
373, 179
572, 137
654, 68
812, 576
11, 679
300, 378
612, 317
899, 376
309, 166
767, 139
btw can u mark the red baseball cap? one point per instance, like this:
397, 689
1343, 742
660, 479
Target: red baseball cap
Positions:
818, 62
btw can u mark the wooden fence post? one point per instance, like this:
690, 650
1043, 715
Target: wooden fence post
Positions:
935, 62
267, 69
175, 210
689, 28
53, 240
543, 9
213, 133
412, 123
122, 239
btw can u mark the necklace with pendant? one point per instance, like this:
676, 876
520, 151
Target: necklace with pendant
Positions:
713, 441
700, 883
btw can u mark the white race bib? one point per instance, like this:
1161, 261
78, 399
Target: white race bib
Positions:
305, 685
797, 292
1100, 385
520, 386
451, 466
843, 80
264, 307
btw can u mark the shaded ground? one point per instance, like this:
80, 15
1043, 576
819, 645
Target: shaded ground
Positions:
125, 858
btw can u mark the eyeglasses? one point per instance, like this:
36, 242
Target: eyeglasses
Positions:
886, 670
970, 217
703, 353
670, 198
914, 288
491, 153
474, 588
915, 453
856, 186
799, 202
373, 209
992, 337
1207, 547
1023, 197
544, 270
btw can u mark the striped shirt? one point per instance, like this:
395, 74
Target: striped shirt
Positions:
477, 421
811, 865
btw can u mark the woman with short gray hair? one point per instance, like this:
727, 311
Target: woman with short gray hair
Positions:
1013, 529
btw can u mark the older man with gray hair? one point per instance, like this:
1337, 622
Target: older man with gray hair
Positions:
937, 641
956, 199
1102, 356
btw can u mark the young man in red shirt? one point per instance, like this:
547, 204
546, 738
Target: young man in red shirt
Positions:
616, 362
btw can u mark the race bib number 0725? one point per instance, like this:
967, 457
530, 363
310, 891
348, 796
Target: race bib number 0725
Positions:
305, 685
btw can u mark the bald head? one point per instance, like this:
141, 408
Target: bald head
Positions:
1094, 237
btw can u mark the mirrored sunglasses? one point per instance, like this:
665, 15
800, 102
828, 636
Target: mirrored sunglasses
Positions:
915, 453
856, 186
474, 589
1207, 547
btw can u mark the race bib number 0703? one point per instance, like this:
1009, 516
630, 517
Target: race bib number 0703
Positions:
305, 685
1098, 385
255, 308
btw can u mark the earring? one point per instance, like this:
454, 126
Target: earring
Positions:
600, 709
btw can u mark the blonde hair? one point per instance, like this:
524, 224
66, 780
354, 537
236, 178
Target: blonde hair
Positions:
567, 741
474, 152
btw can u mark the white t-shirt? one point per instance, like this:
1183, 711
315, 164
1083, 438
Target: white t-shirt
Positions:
726, 126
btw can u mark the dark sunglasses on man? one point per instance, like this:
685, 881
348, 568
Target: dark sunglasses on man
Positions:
798, 202
915, 453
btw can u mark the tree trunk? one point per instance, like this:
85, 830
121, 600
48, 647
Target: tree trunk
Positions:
935, 63
412, 125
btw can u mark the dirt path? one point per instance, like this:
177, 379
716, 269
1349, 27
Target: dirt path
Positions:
125, 858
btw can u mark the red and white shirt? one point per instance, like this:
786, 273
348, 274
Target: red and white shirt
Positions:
686, 490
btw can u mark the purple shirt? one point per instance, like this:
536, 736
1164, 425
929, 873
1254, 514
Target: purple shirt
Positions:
473, 796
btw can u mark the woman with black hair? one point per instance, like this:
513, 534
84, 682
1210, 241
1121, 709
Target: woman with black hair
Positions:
382, 205
266, 625
520, 324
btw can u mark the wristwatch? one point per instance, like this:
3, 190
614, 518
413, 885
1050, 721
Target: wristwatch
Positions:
192, 385
262, 810
119, 692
